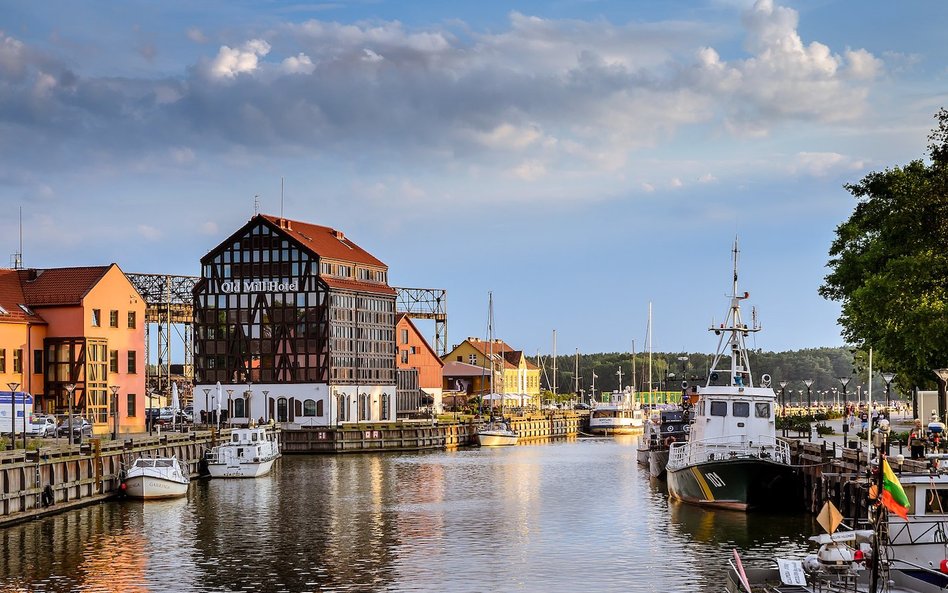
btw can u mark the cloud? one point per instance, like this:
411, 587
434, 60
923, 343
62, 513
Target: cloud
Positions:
233, 61
707, 178
209, 228
821, 164
298, 64
149, 233
676, 183
196, 35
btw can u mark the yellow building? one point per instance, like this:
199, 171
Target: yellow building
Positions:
513, 373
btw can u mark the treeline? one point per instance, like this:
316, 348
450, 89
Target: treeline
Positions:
823, 365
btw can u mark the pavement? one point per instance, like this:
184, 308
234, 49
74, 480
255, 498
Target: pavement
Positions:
898, 423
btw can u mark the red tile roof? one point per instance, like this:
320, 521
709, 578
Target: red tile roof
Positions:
11, 297
59, 286
511, 357
343, 284
325, 241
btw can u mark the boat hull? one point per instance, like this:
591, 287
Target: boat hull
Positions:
608, 430
240, 470
489, 438
642, 456
152, 488
657, 460
736, 484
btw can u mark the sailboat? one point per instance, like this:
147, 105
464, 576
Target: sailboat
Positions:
497, 431
733, 458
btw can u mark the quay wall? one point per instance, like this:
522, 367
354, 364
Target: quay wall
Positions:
78, 475
837, 474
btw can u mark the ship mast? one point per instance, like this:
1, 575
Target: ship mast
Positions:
732, 339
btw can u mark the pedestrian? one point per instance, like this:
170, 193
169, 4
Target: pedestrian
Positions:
864, 419
917, 440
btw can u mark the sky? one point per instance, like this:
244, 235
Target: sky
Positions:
578, 158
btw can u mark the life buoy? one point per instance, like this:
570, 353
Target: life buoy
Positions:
47, 496
669, 441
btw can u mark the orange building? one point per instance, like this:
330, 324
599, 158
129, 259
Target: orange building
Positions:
75, 326
414, 353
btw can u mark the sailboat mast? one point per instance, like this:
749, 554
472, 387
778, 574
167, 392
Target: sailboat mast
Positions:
633, 369
576, 376
649, 345
490, 350
554, 365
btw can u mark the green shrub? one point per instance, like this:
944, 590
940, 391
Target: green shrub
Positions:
823, 429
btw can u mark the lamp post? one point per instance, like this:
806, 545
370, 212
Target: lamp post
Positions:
808, 383
248, 409
70, 388
783, 397
150, 417
887, 377
266, 405
13, 385
115, 417
207, 407
230, 396
844, 381
942, 382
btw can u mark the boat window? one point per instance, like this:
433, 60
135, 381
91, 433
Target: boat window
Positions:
234, 438
742, 409
719, 408
162, 463
253, 437
762, 410
936, 501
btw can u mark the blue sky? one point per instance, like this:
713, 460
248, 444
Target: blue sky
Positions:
578, 158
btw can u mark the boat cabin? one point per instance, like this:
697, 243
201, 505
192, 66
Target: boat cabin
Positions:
249, 436
729, 412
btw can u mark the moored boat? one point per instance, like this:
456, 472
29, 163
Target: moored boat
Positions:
496, 432
733, 458
250, 453
156, 477
662, 429
620, 415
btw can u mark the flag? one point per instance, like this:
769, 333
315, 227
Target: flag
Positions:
893, 497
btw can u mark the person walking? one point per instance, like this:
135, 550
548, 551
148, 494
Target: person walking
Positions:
917, 440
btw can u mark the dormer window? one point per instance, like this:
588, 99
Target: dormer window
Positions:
25, 309
3, 311
344, 271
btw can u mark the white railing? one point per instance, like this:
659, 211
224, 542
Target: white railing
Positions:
725, 448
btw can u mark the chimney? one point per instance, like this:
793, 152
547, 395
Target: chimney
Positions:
289, 224
338, 235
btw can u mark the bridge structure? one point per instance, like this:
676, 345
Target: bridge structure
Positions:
169, 308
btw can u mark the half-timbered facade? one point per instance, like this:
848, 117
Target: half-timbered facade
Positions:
296, 323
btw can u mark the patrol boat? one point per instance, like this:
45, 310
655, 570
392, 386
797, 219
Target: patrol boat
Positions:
733, 458
249, 453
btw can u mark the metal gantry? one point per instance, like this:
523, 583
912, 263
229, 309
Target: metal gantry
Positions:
168, 302
426, 303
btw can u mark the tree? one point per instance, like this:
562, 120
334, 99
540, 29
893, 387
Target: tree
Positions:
889, 265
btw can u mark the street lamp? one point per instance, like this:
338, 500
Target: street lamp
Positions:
266, 405
230, 395
844, 381
207, 408
943, 381
808, 383
783, 397
150, 415
13, 385
115, 418
248, 409
71, 388
887, 377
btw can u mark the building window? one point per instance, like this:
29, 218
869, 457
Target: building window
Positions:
113, 318
3, 360
413, 350
343, 271
319, 408
37, 362
404, 336
130, 405
17, 360
131, 320
404, 356
364, 411
325, 268
113, 361
239, 405
96, 318
309, 407
472, 359
385, 398
132, 361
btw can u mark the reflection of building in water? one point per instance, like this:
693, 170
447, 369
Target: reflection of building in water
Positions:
297, 323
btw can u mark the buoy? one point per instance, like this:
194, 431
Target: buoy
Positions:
943, 566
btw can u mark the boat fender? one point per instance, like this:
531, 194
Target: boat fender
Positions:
943, 567
669, 441
47, 496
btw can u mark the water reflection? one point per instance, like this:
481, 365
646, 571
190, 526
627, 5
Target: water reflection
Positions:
549, 517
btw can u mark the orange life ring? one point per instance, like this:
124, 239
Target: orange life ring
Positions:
669, 440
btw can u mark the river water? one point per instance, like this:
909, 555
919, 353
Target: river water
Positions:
559, 516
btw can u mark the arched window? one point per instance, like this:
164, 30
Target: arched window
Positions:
364, 406
319, 408
239, 408
309, 407
282, 410
385, 397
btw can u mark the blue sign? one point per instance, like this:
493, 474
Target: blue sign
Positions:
20, 396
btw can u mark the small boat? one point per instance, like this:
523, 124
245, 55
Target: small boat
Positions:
496, 433
662, 430
733, 458
156, 477
620, 415
249, 453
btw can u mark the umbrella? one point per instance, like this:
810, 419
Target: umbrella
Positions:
220, 396
175, 403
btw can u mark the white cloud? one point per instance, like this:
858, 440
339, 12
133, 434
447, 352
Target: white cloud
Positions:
149, 233
233, 61
196, 35
209, 228
647, 187
707, 178
529, 170
821, 164
182, 155
676, 183
298, 64
370, 56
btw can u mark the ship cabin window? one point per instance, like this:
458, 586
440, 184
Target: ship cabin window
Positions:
762, 410
742, 409
235, 438
936, 500
719, 408
253, 437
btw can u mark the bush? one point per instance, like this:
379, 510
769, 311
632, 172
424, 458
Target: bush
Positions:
823, 429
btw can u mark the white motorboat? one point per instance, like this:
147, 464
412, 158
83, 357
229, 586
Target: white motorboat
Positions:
620, 415
156, 477
249, 453
496, 433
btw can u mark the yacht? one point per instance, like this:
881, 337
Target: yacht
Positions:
496, 432
620, 415
249, 453
156, 477
662, 429
733, 458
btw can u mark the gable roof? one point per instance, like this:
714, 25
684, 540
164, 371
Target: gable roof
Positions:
323, 240
348, 284
510, 356
398, 319
59, 286
11, 297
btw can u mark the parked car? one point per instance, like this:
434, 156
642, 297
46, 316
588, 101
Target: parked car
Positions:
152, 415
79, 426
188, 413
581, 406
42, 426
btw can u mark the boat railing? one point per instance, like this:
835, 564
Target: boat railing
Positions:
725, 448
